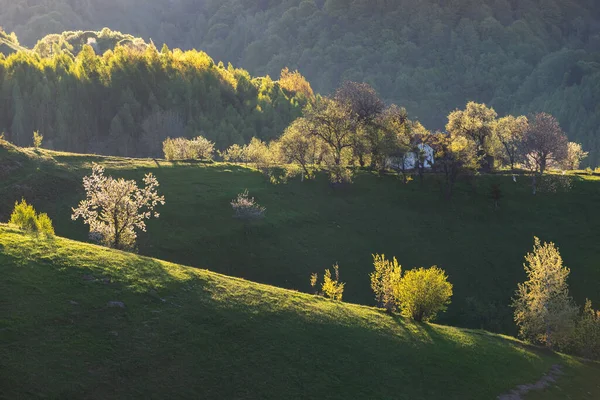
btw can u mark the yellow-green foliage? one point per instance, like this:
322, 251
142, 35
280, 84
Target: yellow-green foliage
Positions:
37, 139
544, 311
385, 280
422, 293
333, 288
25, 217
44, 224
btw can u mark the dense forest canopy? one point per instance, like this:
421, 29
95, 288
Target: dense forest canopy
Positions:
128, 99
429, 56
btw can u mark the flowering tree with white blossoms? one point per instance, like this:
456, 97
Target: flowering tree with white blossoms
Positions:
115, 208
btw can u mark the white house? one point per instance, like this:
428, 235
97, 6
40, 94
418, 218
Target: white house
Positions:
410, 159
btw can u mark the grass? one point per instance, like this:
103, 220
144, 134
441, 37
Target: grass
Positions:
309, 226
191, 333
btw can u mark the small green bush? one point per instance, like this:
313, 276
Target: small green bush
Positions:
333, 288
37, 139
422, 293
44, 225
25, 217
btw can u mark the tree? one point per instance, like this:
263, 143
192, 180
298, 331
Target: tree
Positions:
26, 218
295, 82
385, 280
37, 139
544, 142
116, 208
454, 155
332, 122
246, 208
575, 155
476, 123
389, 135
544, 311
365, 106
511, 132
202, 148
299, 147
333, 288
587, 333
423, 293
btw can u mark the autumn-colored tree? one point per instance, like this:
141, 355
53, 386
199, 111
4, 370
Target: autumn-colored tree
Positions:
294, 82
544, 311
115, 209
423, 293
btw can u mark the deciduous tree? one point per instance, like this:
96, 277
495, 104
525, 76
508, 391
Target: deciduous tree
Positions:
115, 209
544, 311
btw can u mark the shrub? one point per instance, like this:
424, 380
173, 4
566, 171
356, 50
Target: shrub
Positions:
333, 288
422, 293
234, 153
544, 311
44, 225
313, 281
245, 207
199, 148
339, 174
25, 217
587, 333
385, 280
37, 139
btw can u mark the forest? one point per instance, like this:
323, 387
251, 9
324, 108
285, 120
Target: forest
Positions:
128, 98
431, 57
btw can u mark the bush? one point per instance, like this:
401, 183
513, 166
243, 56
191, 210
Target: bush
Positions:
313, 281
234, 153
332, 288
422, 293
44, 225
339, 174
25, 217
587, 333
37, 139
385, 280
245, 207
199, 148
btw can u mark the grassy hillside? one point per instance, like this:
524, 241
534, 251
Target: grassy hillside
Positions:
190, 333
310, 226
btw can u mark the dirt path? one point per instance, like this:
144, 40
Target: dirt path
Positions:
544, 382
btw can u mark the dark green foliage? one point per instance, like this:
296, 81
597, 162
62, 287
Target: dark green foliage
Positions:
128, 100
429, 56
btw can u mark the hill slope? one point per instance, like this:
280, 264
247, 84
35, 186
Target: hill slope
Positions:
310, 226
189, 333
430, 56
